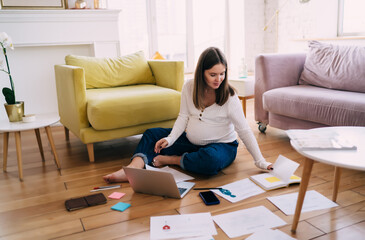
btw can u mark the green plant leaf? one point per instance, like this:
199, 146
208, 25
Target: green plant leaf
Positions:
9, 95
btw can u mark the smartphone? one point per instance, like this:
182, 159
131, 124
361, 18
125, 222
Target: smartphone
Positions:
209, 198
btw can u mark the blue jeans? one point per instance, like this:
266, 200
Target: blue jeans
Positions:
207, 159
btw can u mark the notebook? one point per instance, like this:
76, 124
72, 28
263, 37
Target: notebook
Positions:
281, 176
268, 181
156, 183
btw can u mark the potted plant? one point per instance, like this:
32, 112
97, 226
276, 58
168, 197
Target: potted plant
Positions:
14, 109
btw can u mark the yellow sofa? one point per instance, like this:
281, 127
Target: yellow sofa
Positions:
101, 99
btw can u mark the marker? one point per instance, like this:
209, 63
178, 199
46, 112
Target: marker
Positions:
101, 188
114, 186
207, 188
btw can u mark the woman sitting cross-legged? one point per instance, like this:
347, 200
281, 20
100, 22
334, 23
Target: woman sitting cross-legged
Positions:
203, 139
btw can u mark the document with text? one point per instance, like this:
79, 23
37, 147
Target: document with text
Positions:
313, 201
247, 221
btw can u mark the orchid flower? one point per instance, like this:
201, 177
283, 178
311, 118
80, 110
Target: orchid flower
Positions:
5, 42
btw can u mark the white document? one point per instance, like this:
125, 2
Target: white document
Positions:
284, 168
178, 176
247, 221
269, 234
239, 190
197, 238
313, 201
182, 226
315, 139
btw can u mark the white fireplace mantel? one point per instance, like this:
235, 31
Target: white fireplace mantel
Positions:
60, 27
42, 39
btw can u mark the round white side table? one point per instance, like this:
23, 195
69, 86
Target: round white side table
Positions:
42, 120
245, 87
351, 159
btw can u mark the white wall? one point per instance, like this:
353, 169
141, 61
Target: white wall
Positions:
42, 39
300, 22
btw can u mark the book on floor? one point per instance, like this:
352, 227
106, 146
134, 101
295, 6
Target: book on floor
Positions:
267, 181
282, 175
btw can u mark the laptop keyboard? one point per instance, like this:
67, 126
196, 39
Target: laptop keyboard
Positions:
181, 190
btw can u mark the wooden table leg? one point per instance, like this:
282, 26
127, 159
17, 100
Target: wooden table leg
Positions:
336, 183
90, 151
243, 99
67, 134
307, 170
5, 150
19, 154
50, 138
39, 140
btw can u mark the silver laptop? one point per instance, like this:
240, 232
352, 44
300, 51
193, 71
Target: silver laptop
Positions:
156, 183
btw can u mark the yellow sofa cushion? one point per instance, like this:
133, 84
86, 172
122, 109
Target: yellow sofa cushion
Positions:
131, 105
113, 72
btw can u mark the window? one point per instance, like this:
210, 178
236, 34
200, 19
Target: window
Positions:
181, 30
133, 25
171, 37
351, 18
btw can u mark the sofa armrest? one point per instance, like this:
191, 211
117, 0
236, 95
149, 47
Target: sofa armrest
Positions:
169, 74
71, 96
274, 71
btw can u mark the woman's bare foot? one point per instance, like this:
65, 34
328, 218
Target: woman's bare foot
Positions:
119, 176
163, 160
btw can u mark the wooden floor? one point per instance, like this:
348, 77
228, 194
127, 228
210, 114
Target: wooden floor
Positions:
34, 209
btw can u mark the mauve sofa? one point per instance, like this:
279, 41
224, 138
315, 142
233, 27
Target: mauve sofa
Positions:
295, 92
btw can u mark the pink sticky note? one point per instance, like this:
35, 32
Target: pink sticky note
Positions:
116, 195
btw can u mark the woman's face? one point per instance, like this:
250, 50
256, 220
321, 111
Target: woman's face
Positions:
215, 76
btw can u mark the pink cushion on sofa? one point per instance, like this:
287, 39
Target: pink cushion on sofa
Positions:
335, 66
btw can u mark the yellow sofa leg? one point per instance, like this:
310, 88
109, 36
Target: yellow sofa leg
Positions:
90, 151
67, 134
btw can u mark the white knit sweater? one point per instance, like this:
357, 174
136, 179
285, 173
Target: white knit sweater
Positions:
214, 124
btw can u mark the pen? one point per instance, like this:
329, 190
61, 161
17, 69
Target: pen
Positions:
207, 188
101, 188
114, 186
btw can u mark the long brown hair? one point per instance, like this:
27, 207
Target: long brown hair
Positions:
210, 57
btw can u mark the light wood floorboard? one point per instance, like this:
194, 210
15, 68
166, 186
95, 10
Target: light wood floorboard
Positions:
34, 209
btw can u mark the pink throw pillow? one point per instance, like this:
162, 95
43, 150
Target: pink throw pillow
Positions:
335, 66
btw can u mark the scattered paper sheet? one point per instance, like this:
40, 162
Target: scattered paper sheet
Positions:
284, 168
247, 221
241, 189
313, 201
182, 226
197, 238
269, 234
178, 176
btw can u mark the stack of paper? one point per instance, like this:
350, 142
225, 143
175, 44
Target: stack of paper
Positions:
318, 140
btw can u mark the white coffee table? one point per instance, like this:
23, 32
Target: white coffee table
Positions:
42, 120
245, 87
352, 159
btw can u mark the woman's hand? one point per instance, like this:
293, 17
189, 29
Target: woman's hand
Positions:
160, 144
270, 167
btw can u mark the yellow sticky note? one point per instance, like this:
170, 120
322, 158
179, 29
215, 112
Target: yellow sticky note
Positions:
294, 177
272, 179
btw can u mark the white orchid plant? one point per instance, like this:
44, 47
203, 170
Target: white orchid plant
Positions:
9, 94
